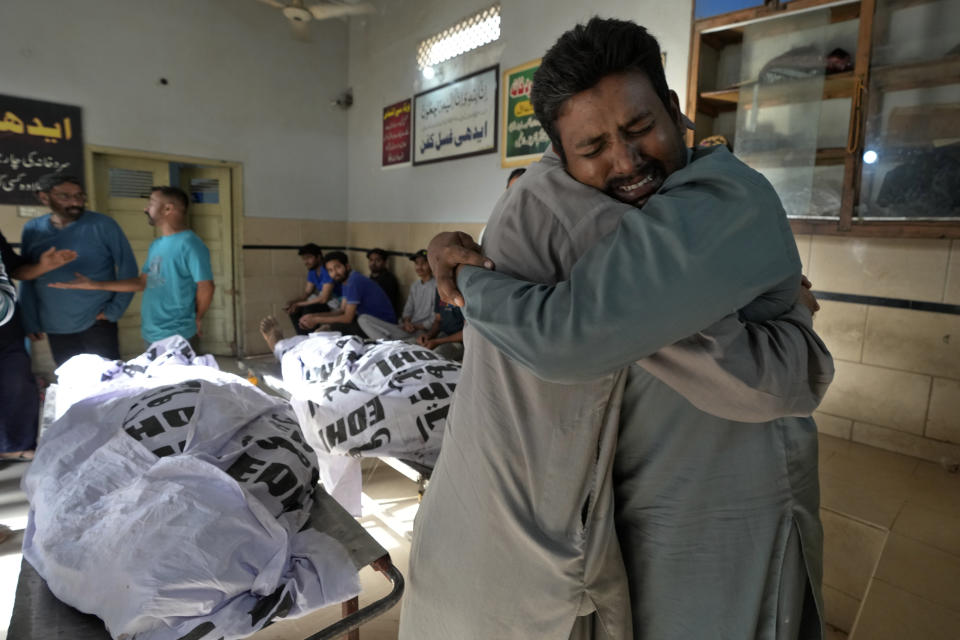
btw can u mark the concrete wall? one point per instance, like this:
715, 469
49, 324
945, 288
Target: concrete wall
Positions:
240, 88
383, 70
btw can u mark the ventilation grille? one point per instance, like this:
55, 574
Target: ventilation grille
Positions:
205, 190
466, 35
130, 183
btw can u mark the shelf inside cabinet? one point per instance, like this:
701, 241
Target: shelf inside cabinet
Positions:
791, 158
900, 104
720, 39
837, 85
918, 75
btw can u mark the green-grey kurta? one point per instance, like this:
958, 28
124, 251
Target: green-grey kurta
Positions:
515, 535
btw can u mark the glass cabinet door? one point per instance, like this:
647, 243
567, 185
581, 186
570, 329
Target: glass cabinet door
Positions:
911, 129
793, 111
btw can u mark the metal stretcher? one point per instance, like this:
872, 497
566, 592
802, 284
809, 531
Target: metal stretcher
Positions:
39, 615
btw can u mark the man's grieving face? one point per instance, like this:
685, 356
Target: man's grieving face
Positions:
619, 137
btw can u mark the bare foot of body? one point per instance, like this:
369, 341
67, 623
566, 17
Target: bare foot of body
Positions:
270, 331
19, 456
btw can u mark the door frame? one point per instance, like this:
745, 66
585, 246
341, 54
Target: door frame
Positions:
236, 207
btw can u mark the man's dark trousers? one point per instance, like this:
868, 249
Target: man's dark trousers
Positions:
100, 339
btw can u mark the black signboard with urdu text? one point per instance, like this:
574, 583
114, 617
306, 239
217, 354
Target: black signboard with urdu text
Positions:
36, 138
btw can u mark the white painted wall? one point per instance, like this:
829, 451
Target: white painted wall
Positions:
240, 88
383, 70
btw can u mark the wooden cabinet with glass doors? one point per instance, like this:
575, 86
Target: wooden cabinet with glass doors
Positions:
850, 109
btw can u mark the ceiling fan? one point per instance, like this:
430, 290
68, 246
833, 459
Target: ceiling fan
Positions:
300, 14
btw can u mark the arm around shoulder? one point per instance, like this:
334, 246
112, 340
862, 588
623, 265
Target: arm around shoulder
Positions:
696, 252
749, 371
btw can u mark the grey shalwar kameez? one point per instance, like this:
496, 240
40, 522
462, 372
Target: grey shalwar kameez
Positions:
515, 536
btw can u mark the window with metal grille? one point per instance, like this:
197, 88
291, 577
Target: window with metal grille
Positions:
130, 183
205, 190
468, 34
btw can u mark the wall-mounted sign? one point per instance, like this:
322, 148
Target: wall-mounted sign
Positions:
457, 119
396, 133
36, 138
524, 140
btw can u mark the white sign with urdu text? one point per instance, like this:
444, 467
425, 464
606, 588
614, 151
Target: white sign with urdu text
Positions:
457, 119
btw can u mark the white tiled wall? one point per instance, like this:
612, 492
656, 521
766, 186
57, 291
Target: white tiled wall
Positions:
898, 370
271, 277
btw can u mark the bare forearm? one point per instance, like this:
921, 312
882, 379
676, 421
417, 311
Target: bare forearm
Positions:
454, 337
121, 286
204, 297
49, 260
326, 292
29, 271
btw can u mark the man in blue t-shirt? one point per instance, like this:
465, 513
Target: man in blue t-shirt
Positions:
177, 280
361, 296
75, 321
321, 294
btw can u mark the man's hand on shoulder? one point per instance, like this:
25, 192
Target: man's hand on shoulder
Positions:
445, 253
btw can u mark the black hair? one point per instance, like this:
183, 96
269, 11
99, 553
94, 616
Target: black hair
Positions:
51, 180
586, 54
516, 173
380, 252
310, 249
173, 193
339, 256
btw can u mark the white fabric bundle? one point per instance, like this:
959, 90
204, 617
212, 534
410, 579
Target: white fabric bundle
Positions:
364, 398
87, 375
361, 398
173, 509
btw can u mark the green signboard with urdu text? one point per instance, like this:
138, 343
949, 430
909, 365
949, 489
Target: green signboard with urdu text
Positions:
524, 140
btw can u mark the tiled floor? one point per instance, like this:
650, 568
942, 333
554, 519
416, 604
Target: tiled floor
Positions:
892, 545
915, 506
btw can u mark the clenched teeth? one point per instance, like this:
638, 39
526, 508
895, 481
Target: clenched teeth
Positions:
636, 185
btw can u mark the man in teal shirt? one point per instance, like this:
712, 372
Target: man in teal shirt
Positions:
177, 280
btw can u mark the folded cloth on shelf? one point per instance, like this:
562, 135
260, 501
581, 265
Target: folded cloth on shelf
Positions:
805, 62
175, 502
